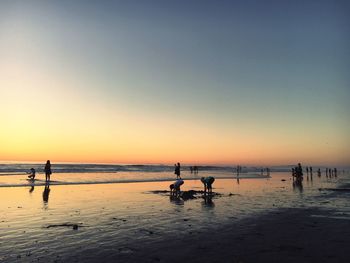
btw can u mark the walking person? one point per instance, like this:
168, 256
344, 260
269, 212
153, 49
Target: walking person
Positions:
177, 171
47, 170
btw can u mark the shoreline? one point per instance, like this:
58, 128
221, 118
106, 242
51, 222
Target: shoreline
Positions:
42, 182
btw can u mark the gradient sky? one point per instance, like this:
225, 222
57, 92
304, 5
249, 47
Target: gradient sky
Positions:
217, 82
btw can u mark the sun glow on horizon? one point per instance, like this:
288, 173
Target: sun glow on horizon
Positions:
90, 83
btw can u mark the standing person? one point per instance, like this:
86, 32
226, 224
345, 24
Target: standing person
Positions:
47, 170
177, 171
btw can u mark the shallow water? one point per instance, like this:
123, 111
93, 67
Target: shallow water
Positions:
115, 177
120, 217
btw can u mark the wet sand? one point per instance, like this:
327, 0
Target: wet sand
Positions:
252, 220
286, 235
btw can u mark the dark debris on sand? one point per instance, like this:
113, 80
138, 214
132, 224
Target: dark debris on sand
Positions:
74, 226
187, 195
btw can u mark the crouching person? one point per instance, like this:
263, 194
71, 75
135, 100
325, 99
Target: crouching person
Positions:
208, 182
175, 187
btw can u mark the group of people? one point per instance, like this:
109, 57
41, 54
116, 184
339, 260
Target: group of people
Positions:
331, 172
175, 187
267, 171
47, 170
297, 172
194, 169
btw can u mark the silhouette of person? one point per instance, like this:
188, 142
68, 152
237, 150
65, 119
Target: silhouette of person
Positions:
177, 171
31, 174
196, 169
207, 182
46, 193
175, 187
47, 170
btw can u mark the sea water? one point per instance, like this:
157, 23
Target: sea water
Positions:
14, 174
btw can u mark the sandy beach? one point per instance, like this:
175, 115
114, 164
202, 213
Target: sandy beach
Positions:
248, 220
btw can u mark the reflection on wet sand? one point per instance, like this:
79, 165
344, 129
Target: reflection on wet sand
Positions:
46, 194
176, 200
208, 201
298, 186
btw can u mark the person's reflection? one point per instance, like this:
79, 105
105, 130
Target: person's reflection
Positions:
46, 193
31, 189
208, 200
176, 200
298, 186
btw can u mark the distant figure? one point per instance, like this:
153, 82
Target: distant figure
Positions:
207, 182
298, 173
310, 169
31, 174
300, 170
175, 187
191, 168
307, 170
177, 171
335, 172
195, 169
47, 170
268, 171
319, 172
46, 193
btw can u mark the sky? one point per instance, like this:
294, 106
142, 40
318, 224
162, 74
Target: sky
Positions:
199, 82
